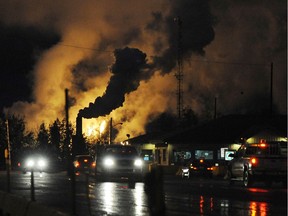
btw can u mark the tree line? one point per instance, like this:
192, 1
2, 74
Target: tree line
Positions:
49, 139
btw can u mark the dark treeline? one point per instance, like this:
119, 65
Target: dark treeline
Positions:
47, 139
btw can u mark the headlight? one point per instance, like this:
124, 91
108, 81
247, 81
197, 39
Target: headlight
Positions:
138, 162
30, 163
36, 163
185, 170
42, 163
108, 162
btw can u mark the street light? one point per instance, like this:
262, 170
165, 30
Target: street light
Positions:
111, 130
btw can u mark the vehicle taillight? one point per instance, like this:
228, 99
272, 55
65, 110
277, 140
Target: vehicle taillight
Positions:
253, 160
262, 145
77, 164
209, 168
85, 160
93, 164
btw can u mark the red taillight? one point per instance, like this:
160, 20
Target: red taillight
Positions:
19, 164
209, 168
253, 160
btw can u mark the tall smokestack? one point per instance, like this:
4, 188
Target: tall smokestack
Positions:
79, 126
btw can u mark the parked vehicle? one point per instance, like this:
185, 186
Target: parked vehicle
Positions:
118, 161
84, 163
265, 161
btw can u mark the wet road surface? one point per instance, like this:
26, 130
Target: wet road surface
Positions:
195, 196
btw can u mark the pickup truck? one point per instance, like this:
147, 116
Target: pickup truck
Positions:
265, 161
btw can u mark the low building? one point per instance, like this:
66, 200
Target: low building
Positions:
212, 140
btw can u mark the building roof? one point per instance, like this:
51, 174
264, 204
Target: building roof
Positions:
227, 129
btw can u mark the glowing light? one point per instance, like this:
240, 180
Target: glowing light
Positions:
258, 209
253, 161
102, 126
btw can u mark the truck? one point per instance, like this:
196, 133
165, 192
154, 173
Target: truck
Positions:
117, 161
263, 161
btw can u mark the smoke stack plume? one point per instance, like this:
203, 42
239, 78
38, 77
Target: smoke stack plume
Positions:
127, 72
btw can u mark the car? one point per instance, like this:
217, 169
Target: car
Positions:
84, 163
118, 161
202, 167
34, 162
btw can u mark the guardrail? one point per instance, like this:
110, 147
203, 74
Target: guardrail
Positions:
13, 205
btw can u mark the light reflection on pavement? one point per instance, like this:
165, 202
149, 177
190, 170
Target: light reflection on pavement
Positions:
191, 197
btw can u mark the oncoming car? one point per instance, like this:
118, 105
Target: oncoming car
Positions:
34, 163
118, 161
84, 163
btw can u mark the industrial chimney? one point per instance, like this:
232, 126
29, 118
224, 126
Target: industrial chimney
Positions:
79, 126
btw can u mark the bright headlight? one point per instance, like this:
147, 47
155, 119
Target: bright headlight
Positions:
30, 163
185, 170
42, 163
138, 162
108, 162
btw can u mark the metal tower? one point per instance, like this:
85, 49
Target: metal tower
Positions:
179, 74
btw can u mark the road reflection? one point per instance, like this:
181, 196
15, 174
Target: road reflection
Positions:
106, 192
119, 198
205, 205
122, 198
258, 209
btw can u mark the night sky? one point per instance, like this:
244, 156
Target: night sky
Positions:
118, 59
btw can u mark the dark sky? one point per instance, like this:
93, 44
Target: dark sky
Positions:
20, 49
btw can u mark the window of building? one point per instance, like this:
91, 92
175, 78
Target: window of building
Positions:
204, 154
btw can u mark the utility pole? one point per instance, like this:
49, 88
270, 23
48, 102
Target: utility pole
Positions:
179, 75
110, 131
215, 108
70, 154
8, 156
271, 89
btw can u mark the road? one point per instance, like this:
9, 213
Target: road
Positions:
194, 196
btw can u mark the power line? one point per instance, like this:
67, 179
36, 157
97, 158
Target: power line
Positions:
231, 63
206, 61
86, 48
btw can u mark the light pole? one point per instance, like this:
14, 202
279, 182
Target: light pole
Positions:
111, 130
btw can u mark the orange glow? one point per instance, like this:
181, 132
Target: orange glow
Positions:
85, 160
258, 209
263, 145
253, 161
201, 161
102, 126
77, 164
94, 128
93, 164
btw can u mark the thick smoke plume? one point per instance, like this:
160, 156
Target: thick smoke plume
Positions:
127, 72
227, 49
